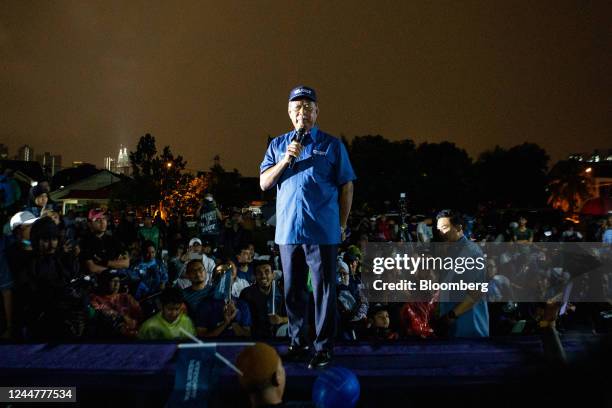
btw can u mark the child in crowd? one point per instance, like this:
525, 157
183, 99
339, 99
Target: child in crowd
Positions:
379, 323
167, 324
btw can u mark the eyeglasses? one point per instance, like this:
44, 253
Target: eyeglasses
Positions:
308, 107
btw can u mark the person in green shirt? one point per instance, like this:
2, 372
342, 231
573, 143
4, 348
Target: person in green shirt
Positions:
167, 324
149, 232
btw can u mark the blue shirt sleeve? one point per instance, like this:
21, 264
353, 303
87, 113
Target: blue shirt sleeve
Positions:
269, 158
344, 169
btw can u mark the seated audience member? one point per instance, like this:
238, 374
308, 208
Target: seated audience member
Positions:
254, 255
244, 260
379, 323
149, 232
522, 234
18, 255
175, 264
198, 290
38, 200
352, 261
167, 324
54, 215
120, 310
195, 252
152, 272
259, 297
55, 309
218, 318
352, 305
100, 251
263, 375
571, 235
208, 250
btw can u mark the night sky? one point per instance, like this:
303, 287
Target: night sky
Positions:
81, 77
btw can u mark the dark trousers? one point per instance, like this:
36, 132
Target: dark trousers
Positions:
297, 259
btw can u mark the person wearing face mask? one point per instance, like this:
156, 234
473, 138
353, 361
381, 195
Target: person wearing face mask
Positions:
313, 177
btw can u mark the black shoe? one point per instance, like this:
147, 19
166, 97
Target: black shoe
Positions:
320, 359
297, 354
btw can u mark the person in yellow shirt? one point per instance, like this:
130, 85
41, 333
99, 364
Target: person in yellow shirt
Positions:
167, 324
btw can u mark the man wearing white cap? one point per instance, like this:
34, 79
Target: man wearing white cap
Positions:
195, 252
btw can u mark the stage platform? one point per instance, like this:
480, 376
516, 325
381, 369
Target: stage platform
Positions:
501, 371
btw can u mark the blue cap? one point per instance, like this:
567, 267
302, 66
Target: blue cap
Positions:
302, 92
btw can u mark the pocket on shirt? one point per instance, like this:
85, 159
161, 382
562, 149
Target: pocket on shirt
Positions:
322, 168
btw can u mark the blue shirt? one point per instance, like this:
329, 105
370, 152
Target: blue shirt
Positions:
151, 275
474, 322
209, 314
307, 208
607, 236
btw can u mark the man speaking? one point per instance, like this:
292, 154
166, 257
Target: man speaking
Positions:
314, 182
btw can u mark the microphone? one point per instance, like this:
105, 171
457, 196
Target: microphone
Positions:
299, 137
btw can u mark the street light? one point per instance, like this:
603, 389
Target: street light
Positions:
169, 164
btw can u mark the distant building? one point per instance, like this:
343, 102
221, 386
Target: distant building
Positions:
110, 164
25, 153
93, 191
596, 156
123, 161
51, 163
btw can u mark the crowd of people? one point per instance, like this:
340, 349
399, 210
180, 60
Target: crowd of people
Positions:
129, 274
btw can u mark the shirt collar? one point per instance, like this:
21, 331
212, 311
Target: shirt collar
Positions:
314, 131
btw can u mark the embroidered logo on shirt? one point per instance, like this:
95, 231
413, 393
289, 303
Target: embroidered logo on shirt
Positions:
319, 152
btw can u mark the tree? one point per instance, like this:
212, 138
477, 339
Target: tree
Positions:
157, 178
224, 185
443, 177
515, 177
384, 169
186, 197
569, 186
